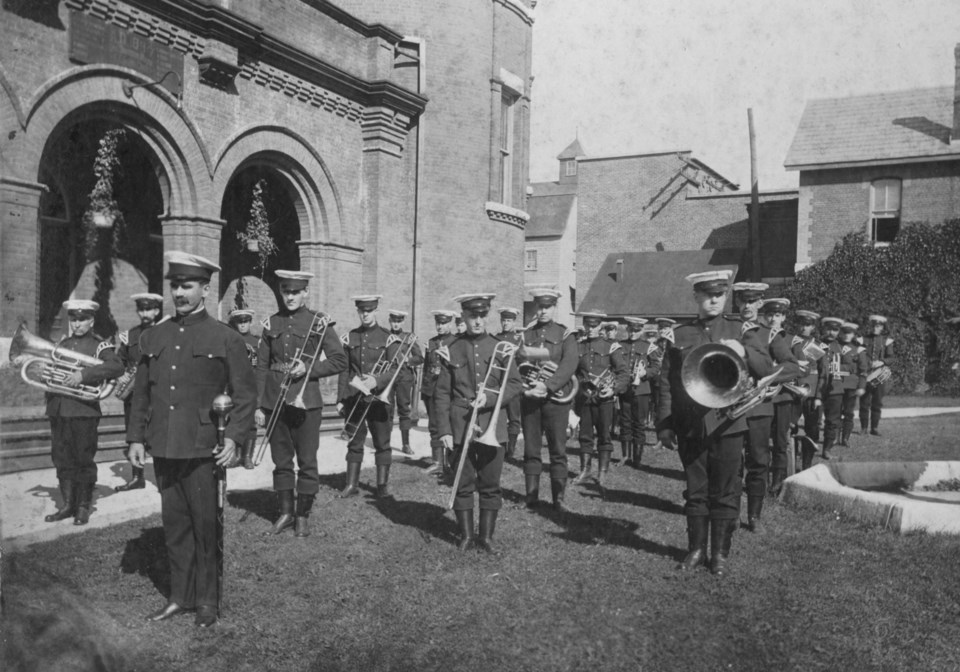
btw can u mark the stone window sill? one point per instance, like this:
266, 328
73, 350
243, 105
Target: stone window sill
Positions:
498, 212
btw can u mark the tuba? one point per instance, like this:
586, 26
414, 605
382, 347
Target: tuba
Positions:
45, 365
715, 376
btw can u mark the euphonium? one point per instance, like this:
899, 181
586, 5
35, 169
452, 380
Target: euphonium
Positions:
538, 368
50, 365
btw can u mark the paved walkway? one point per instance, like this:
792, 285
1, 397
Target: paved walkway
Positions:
27, 496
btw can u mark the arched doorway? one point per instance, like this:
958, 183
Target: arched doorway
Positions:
77, 259
279, 205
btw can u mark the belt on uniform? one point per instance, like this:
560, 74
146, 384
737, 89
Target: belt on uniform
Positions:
282, 368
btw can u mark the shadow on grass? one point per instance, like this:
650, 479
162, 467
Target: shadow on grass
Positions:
426, 518
641, 499
593, 530
674, 474
260, 503
147, 556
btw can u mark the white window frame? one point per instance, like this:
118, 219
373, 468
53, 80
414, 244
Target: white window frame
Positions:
570, 169
531, 260
882, 206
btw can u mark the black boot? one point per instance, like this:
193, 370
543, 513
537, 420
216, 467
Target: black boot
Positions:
353, 480
845, 438
754, 509
827, 445
465, 523
84, 503
437, 454
626, 452
603, 466
697, 527
558, 488
586, 462
807, 451
285, 505
488, 524
637, 455
135, 483
383, 478
533, 490
721, 534
776, 482
302, 525
247, 450
405, 440
512, 446
68, 490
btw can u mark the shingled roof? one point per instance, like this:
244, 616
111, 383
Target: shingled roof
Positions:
549, 208
653, 282
876, 128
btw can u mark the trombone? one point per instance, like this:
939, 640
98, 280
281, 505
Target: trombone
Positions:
366, 383
318, 327
472, 431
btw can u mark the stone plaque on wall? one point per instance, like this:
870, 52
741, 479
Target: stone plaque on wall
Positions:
95, 41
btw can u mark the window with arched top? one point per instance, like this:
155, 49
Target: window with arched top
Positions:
885, 210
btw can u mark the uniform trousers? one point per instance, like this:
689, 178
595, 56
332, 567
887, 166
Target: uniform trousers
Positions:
432, 425
811, 414
871, 406
849, 409
838, 415
596, 418
514, 422
634, 412
188, 500
757, 454
74, 447
712, 467
542, 417
378, 422
481, 474
783, 417
296, 435
402, 395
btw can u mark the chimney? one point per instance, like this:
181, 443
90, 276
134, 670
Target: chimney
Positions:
955, 135
619, 270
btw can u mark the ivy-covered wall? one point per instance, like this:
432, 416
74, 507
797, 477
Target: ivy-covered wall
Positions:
915, 282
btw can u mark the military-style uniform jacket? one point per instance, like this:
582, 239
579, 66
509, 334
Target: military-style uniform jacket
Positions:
677, 411
597, 355
649, 353
433, 364
92, 345
128, 346
844, 368
815, 371
878, 348
779, 344
186, 361
409, 371
364, 346
563, 352
283, 336
253, 347
458, 384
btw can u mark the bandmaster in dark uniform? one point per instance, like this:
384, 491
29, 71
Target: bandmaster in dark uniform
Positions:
185, 363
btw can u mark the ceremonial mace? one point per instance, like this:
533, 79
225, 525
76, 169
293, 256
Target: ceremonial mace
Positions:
222, 405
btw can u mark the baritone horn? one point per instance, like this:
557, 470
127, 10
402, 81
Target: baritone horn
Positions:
46, 366
539, 368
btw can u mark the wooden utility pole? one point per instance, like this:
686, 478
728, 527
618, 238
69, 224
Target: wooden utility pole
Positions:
753, 240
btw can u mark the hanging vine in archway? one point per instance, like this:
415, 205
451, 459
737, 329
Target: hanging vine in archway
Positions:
256, 238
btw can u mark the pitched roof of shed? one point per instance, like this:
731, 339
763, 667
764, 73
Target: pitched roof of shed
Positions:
653, 282
874, 128
549, 211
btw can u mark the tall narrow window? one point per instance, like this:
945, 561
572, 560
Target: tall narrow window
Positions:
884, 210
571, 167
531, 264
507, 102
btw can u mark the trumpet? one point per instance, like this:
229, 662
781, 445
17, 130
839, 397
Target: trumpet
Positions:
318, 327
47, 366
639, 371
472, 431
715, 376
366, 383
879, 376
599, 386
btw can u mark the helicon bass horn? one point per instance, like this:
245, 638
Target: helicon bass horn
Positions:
715, 376
45, 365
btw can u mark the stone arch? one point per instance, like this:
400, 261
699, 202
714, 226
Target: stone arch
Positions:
317, 199
183, 164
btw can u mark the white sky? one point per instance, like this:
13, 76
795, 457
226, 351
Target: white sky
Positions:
637, 76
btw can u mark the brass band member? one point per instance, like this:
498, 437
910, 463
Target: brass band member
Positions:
297, 432
603, 374
74, 422
842, 382
367, 345
402, 392
240, 320
879, 352
643, 364
710, 446
437, 353
456, 395
543, 408
187, 361
809, 407
509, 332
149, 307
664, 339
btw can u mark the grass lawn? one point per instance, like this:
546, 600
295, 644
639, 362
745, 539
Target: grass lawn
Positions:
382, 587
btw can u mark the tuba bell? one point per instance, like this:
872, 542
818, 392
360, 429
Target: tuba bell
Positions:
46, 366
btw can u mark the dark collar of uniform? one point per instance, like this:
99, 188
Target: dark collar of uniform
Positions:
473, 337
291, 313
364, 329
196, 317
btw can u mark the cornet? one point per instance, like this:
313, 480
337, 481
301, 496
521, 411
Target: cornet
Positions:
639, 371
598, 386
48, 366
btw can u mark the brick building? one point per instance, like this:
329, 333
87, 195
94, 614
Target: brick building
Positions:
551, 237
367, 184
872, 163
669, 202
